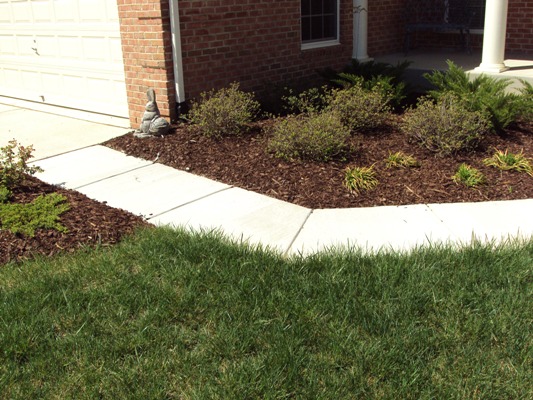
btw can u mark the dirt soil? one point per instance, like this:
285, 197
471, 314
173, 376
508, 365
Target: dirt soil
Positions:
244, 162
89, 223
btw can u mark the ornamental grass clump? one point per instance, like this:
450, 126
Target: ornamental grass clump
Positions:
468, 176
445, 126
318, 137
360, 109
401, 160
360, 179
227, 111
507, 161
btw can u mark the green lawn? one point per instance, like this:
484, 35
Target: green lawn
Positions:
169, 314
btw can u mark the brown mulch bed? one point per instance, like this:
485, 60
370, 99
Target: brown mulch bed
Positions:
89, 223
244, 162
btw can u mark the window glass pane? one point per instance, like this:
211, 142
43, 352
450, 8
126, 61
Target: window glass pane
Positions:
316, 7
316, 28
306, 7
330, 29
329, 6
306, 28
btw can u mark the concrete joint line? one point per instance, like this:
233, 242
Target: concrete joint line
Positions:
112, 176
190, 202
286, 252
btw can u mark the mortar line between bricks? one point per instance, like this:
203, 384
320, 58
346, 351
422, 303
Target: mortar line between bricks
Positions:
190, 202
298, 233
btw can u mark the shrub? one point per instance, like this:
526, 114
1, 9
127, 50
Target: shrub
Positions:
446, 126
14, 164
468, 176
5, 194
43, 212
483, 93
309, 101
509, 162
401, 160
227, 111
359, 109
317, 137
360, 179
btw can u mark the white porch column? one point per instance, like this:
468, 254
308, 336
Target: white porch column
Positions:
360, 30
494, 33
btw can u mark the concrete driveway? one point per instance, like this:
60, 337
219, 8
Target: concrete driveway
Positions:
51, 134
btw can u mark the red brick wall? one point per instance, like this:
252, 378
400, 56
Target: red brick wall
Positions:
385, 26
520, 27
254, 42
147, 51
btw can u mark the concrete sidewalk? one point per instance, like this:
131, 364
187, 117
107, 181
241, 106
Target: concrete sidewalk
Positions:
164, 195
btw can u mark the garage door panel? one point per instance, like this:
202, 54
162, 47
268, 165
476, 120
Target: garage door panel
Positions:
65, 51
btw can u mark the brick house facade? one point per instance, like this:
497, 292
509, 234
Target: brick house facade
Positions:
255, 42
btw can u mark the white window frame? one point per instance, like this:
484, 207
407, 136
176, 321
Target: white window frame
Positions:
317, 44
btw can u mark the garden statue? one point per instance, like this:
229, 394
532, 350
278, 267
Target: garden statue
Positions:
152, 124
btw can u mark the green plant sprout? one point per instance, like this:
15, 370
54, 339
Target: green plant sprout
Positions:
468, 176
507, 161
360, 179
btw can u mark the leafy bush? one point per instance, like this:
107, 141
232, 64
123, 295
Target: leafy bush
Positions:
509, 162
360, 109
393, 93
309, 101
360, 179
14, 164
526, 100
387, 76
468, 176
401, 160
317, 137
483, 93
43, 212
227, 111
446, 126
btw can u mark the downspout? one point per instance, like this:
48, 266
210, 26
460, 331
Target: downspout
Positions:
176, 54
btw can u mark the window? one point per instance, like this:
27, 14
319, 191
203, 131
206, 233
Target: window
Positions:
476, 9
320, 22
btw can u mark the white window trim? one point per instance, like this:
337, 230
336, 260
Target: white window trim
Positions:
317, 44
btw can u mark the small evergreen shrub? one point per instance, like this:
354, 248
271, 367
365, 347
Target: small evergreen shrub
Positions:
507, 161
401, 160
43, 212
483, 94
468, 176
227, 111
319, 137
5, 194
360, 109
360, 179
444, 127
14, 164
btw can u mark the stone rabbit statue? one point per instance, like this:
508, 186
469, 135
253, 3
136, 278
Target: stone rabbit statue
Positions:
152, 124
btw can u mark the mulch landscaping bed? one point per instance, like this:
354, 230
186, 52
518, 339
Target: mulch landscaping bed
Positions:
89, 223
244, 162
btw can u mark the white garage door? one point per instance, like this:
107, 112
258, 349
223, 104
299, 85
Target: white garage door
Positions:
63, 52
